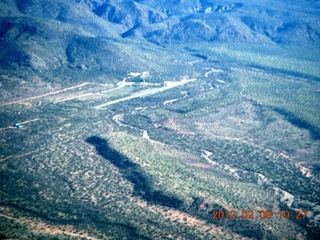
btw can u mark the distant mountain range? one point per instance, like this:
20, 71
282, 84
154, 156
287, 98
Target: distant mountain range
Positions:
54, 40
284, 22
154, 119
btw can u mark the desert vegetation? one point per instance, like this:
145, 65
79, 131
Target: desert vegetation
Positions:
137, 128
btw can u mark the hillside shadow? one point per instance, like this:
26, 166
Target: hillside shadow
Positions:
133, 173
314, 131
143, 188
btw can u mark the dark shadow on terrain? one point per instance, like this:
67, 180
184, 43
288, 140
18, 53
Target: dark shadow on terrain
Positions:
300, 123
18, 192
143, 188
87, 214
313, 232
287, 72
204, 57
316, 168
133, 173
244, 227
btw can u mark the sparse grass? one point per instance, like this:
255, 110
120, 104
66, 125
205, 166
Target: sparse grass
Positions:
302, 61
56, 175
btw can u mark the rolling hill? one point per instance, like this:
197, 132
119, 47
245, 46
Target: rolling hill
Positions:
159, 119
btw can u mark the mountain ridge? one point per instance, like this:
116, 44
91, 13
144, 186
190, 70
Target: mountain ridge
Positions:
76, 39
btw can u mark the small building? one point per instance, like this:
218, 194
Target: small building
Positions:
18, 125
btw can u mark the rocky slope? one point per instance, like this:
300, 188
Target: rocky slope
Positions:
60, 42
